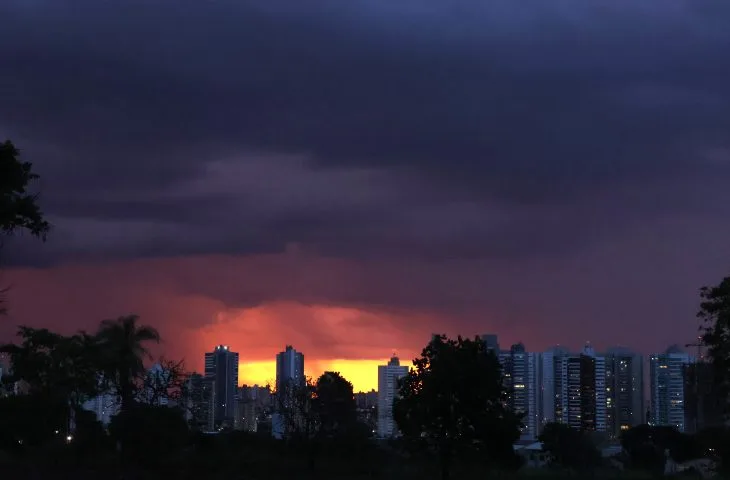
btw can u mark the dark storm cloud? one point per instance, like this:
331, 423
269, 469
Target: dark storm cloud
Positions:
473, 128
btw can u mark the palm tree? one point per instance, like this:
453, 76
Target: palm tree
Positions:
122, 343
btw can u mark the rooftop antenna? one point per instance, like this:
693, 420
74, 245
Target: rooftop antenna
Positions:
699, 344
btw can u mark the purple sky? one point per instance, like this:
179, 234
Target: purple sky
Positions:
553, 171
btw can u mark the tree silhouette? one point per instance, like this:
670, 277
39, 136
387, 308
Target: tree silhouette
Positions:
334, 404
150, 434
295, 414
165, 382
568, 447
715, 315
454, 401
646, 446
123, 346
19, 208
714, 442
52, 364
57, 374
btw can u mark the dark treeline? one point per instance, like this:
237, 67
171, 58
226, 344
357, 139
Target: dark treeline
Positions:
44, 429
450, 411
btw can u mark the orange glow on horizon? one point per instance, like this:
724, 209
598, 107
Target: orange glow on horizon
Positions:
363, 374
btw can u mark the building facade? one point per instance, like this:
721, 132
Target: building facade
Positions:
104, 406
491, 341
581, 381
551, 385
667, 380
221, 366
289, 377
388, 377
200, 400
522, 378
289, 368
624, 390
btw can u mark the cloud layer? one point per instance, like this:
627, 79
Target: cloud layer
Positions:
441, 129
552, 168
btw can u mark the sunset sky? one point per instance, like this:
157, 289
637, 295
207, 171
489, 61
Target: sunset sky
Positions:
350, 177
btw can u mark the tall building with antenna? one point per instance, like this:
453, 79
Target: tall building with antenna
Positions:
289, 368
388, 377
221, 368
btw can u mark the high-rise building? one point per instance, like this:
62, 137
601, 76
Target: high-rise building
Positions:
583, 396
200, 401
289, 376
289, 368
221, 365
624, 390
521, 376
667, 381
156, 384
4, 364
388, 377
552, 385
365, 400
247, 415
104, 406
491, 341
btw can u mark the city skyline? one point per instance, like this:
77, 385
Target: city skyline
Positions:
586, 389
362, 373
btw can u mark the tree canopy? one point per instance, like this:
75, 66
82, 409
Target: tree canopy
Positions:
48, 363
19, 209
568, 447
715, 315
453, 401
123, 345
334, 404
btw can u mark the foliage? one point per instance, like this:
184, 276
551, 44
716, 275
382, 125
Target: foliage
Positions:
19, 208
334, 405
150, 434
89, 435
55, 365
646, 446
568, 447
31, 420
294, 405
453, 402
165, 382
317, 416
123, 345
715, 443
715, 314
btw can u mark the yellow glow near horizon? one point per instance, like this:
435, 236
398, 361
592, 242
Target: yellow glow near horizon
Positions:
363, 374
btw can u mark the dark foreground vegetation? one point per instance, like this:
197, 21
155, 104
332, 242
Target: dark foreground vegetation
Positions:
447, 432
164, 452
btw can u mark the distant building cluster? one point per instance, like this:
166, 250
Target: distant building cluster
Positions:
215, 402
605, 392
588, 390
